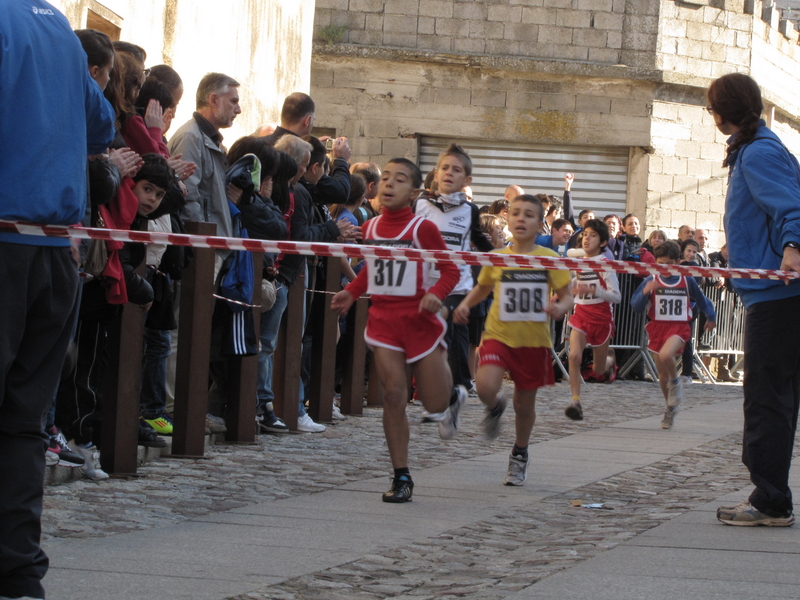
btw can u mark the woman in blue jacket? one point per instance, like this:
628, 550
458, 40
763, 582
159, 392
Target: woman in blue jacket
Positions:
762, 226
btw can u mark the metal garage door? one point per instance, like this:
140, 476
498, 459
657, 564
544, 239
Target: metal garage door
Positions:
601, 172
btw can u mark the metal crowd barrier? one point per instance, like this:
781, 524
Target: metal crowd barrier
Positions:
728, 337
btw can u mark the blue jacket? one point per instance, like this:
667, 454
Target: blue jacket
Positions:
762, 213
52, 115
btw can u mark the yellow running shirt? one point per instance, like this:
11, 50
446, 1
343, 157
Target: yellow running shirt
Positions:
517, 318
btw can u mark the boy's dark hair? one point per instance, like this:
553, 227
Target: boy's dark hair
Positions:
358, 187
155, 170
285, 170
689, 242
318, 151
416, 174
430, 178
153, 89
555, 206
461, 154
130, 48
369, 171
600, 228
546, 199
559, 223
498, 206
484, 210
296, 107
97, 45
533, 200
167, 75
250, 144
668, 249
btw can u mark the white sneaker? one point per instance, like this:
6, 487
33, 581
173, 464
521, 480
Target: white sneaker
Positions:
517, 470
686, 380
337, 414
91, 455
50, 460
429, 417
306, 425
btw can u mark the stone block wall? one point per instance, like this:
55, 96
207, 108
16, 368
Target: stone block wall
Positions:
383, 115
599, 31
686, 184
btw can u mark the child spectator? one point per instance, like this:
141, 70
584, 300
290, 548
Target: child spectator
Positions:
517, 335
593, 320
404, 327
668, 302
689, 250
370, 207
559, 238
459, 223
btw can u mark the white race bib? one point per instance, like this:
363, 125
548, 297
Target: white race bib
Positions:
390, 277
671, 307
523, 295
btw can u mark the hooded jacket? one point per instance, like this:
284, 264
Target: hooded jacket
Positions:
762, 213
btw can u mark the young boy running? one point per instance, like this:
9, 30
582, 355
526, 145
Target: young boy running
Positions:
592, 322
404, 328
459, 222
517, 334
669, 302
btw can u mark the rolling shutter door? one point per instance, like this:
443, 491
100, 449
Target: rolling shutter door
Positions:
601, 172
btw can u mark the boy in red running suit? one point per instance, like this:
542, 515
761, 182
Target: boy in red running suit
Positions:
404, 328
592, 322
669, 302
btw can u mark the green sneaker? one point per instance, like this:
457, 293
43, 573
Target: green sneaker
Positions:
162, 424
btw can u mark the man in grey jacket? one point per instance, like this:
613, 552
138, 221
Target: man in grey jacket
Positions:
200, 141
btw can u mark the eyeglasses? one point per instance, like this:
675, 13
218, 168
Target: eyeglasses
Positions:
146, 72
710, 109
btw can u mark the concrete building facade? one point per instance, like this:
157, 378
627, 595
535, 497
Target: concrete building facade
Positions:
584, 78
263, 44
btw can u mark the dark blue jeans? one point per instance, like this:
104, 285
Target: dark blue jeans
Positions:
771, 400
158, 347
38, 305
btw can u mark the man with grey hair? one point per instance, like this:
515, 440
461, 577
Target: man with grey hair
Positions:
200, 141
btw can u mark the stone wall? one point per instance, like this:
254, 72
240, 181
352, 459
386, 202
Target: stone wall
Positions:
603, 72
565, 29
271, 58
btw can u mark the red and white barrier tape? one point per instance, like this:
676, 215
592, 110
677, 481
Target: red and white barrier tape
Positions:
361, 251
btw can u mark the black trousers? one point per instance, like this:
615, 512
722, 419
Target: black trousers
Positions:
457, 340
771, 400
37, 310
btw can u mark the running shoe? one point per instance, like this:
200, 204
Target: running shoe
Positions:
448, 427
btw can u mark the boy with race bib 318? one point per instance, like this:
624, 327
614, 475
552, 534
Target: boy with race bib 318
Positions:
404, 328
517, 334
669, 302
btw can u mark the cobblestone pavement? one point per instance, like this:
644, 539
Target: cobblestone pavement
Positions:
285, 465
490, 559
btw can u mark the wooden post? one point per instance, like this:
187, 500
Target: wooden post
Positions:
194, 348
119, 446
374, 392
287, 357
323, 351
240, 415
355, 357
